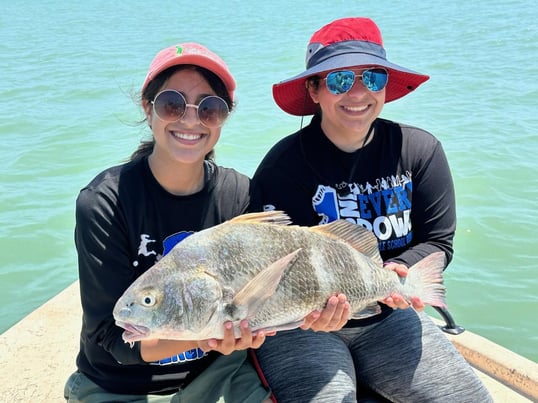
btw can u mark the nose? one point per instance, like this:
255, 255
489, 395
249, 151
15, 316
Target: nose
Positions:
190, 117
358, 87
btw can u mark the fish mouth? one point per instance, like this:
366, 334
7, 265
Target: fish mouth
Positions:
133, 332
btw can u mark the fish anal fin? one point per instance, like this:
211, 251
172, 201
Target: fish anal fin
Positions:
367, 311
356, 235
263, 285
266, 217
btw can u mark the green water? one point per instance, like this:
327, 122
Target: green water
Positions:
69, 74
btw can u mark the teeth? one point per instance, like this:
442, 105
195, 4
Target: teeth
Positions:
187, 136
356, 108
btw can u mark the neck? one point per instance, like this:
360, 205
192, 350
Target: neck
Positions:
349, 142
178, 179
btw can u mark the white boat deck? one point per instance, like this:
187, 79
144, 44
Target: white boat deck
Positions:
38, 354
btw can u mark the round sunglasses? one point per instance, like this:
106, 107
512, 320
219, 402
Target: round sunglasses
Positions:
339, 82
171, 106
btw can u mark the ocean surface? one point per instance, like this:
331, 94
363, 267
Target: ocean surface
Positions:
70, 75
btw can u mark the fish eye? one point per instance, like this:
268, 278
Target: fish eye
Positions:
148, 300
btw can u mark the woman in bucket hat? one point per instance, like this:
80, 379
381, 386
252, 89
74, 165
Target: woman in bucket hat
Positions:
129, 216
394, 180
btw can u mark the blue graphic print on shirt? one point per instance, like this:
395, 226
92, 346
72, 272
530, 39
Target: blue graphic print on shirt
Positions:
383, 208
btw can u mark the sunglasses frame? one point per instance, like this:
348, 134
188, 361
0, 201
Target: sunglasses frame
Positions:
355, 75
197, 107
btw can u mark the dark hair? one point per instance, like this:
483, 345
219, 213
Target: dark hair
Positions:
313, 82
154, 86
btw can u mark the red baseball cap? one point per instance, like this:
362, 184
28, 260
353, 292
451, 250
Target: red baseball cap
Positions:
190, 53
344, 43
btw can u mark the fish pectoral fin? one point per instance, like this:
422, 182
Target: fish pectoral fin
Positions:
263, 285
367, 311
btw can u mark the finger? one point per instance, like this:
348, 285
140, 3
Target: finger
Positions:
258, 339
400, 301
228, 341
310, 319
339, 308
341, 313
327, 313
208, 345
345, 315
246, 336
388, 301
417, 304
400, 269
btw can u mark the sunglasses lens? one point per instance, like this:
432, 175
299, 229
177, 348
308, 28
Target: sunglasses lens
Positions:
169, 105
340, 82
374, 79
213, 111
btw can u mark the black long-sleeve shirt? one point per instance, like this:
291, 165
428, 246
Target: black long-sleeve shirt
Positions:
398, 186
125, 222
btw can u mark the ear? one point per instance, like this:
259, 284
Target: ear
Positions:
148, 110
312, 91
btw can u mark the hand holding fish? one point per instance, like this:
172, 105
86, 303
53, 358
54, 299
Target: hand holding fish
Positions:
396, 301
228, 344
333, 317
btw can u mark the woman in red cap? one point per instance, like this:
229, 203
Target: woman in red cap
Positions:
392, 179
129, 216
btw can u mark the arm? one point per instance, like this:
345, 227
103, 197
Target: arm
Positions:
105, 270
154, 350
433, 214
433, 218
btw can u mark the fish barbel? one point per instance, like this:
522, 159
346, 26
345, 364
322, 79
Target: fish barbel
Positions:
259, 268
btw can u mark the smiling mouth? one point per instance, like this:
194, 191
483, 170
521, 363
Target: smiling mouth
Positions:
355, 108
187, 136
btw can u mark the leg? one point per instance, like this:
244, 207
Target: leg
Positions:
80, 389
305, 366
230, 378
407, 358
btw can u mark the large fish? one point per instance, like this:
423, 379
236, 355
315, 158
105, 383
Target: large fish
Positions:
259, 268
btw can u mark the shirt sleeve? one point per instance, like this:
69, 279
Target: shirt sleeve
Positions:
104, 270
433, 213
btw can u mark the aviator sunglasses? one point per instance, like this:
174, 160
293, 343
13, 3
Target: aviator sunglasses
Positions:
339, 82
171, 106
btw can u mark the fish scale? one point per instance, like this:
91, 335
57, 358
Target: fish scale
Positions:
256, 267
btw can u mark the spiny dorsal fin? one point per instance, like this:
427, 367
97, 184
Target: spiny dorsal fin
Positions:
356, 235
266, 217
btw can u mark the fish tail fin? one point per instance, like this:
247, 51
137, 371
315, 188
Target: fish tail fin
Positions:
425, 280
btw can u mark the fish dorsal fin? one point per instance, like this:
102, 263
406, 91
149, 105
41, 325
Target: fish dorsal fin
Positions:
357, 236
266, 217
